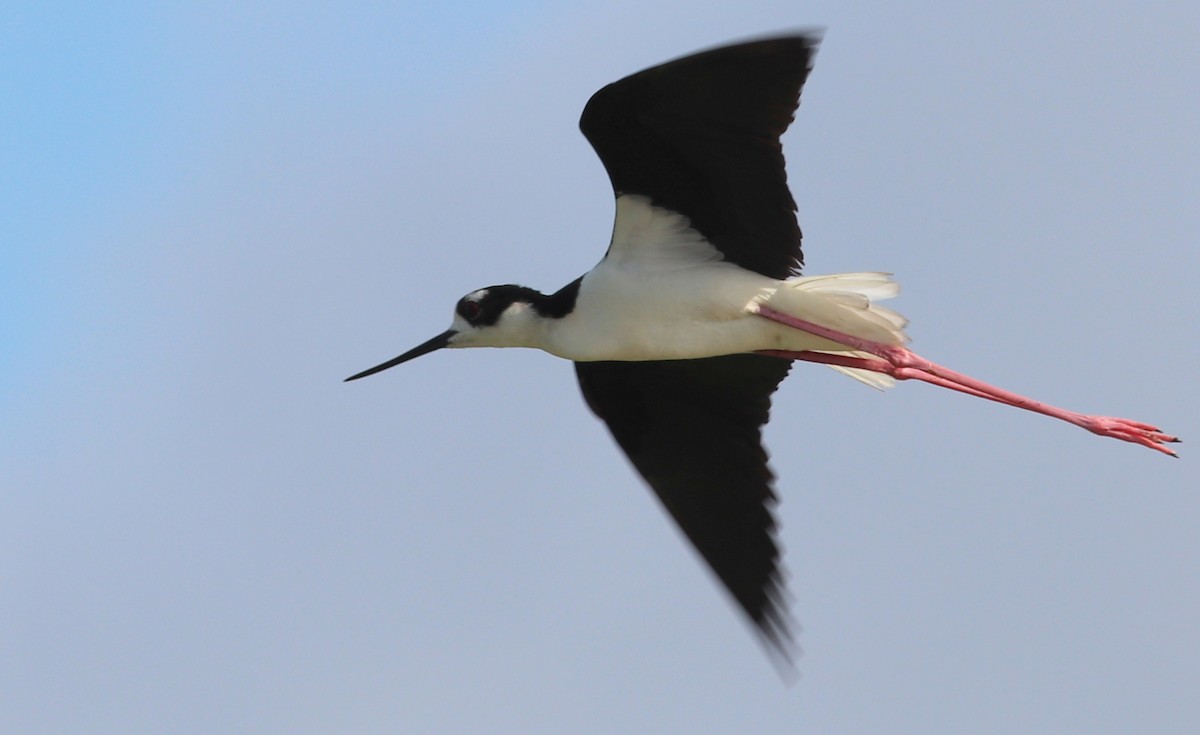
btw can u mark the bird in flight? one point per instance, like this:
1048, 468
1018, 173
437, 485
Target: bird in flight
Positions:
695, 314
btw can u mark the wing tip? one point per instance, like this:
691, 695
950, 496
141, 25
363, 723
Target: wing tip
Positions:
776, 632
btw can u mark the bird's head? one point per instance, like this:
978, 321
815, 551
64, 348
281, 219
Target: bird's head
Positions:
496, 316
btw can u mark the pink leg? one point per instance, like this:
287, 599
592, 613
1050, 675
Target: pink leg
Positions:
903, 364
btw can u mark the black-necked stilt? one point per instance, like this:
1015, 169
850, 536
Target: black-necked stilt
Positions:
687, 325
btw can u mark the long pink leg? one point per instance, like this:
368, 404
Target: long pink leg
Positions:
903, 364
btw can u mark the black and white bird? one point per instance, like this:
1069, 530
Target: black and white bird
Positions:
686, 326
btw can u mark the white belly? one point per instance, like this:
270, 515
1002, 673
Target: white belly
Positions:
703, 311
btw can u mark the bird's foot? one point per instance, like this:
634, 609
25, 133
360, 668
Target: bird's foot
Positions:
1130, 431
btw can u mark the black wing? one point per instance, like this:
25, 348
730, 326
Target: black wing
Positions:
700, 136
692, 428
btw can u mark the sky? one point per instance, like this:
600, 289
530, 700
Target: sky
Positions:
212, 213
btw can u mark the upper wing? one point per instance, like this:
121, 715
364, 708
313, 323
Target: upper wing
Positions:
700, 136
692, 428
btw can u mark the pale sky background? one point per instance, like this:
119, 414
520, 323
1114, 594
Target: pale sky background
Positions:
211, 213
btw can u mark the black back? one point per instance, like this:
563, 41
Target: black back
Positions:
700, 136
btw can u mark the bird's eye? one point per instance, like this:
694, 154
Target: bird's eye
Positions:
469, 310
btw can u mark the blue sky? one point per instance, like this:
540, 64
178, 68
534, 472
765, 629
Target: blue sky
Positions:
214, 213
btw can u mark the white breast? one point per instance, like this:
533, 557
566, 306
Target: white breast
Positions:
663, 292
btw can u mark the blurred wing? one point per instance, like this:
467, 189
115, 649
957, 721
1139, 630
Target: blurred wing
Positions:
700, 136
692, 428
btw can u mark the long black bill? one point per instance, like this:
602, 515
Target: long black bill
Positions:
424, 348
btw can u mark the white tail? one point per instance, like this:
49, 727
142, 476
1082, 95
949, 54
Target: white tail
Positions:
846, 302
